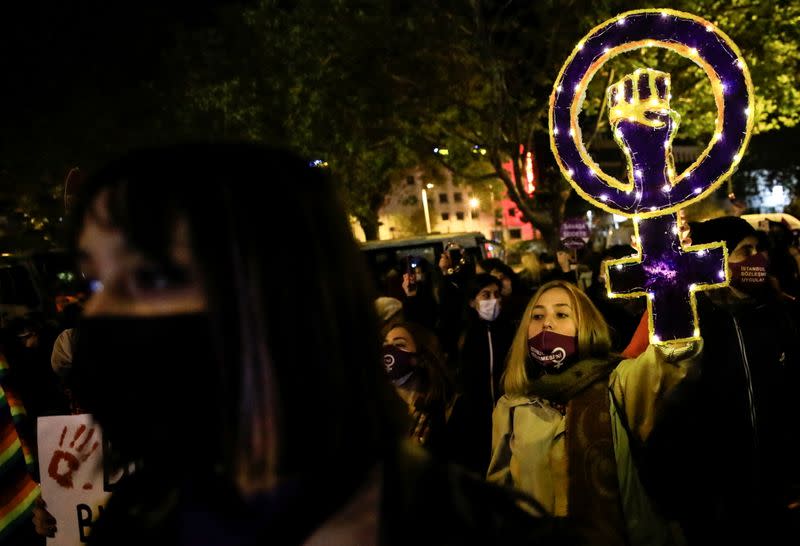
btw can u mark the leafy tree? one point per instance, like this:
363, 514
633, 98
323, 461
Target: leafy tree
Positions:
505, 57
374, 86
317, 79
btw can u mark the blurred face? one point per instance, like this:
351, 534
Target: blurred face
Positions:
506, 290
400, 338
127, 282
29, 339
553, 311
745, 249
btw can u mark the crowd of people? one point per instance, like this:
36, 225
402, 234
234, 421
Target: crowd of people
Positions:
561, 395
485, 405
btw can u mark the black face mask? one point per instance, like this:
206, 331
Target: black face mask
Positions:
151, 383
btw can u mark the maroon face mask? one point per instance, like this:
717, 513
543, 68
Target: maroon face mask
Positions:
551, 352
398, 364
749, 275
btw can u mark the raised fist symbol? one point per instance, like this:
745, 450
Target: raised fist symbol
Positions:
644, 125
67, 460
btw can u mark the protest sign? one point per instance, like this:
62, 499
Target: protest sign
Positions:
75, 483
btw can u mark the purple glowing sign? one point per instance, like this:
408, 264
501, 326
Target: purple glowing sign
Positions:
644, 125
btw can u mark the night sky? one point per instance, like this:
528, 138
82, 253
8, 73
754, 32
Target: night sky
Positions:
54, 50
65, 64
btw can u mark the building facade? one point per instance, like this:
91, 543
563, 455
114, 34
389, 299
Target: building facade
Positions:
451, 208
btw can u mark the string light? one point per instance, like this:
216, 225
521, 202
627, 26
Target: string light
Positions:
661, 263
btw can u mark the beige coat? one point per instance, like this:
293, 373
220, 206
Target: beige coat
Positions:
528, 438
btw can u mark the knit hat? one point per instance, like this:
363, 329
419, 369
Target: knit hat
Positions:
387, 308
730, 229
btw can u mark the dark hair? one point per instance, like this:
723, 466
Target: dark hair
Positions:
438, 383
479, 282
492, 264
730, 229
297, 354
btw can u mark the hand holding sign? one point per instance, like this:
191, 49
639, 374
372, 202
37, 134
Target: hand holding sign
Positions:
665, 269
72, 478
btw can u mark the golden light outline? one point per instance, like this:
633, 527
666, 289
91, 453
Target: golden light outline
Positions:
682, 50
637, 259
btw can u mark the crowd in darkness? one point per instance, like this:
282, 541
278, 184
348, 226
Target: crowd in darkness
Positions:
464, 401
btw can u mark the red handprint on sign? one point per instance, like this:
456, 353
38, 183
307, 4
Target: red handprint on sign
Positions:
72, 459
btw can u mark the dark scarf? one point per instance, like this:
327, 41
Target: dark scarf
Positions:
564, 386
593, 498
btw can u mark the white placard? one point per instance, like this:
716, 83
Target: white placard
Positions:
74, 484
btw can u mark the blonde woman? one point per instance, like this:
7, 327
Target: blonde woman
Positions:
571, 413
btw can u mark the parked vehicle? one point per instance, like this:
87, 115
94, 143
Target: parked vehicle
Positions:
39, 282
391, 256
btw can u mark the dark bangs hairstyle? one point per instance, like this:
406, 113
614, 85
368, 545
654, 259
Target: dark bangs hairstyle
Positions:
300, 388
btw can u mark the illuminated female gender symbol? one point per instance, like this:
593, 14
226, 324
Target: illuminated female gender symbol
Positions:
644, 125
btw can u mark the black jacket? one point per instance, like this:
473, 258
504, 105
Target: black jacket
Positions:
422, 502
724, 458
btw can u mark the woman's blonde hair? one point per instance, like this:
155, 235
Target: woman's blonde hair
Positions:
593, 336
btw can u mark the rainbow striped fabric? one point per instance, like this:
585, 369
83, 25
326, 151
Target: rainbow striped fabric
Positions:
18, 490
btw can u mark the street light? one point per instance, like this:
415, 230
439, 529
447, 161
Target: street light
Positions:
474, 203
425, 206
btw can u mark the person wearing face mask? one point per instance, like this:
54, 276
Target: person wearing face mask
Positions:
573, 414
414, 363
482, 348
515, 294
252, 402
739, 411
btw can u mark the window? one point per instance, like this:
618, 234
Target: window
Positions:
512, 211
459, 216
409, 201
445, 216
457, 197
411, 181
515, 233
475, 214
443, 198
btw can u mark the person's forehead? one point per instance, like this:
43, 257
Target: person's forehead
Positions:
96, 240
554, 296
398, 332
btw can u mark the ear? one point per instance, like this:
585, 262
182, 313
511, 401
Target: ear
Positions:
473, 303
